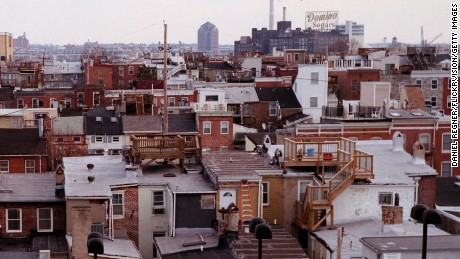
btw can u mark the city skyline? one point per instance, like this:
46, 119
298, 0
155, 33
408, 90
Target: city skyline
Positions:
142, 21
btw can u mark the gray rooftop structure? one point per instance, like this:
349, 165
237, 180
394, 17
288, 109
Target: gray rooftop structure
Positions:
68, 125
174, 245
142, 124
236, 166
116, 248
28, 188
392, 167
370, 227
108, 171
240, 94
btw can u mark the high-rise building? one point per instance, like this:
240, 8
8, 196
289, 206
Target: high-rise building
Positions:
208, 38
21, 42
355, 31
6, 48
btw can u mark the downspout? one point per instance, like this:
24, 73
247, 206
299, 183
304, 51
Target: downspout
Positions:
111, 228
260, 213
173, 223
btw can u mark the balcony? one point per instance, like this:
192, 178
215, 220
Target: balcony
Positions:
352, 113
209, 107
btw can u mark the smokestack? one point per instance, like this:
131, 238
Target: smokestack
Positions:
284, 14
272, 15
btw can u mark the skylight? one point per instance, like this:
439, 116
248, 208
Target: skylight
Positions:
395, 114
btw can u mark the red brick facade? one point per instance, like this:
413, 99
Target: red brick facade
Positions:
216, 138
130, 220
29, 218
17, 164
349, 82
427, 191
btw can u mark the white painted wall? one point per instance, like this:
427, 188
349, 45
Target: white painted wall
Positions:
304, 89
252, 62
107, 142
362, 201
149, 223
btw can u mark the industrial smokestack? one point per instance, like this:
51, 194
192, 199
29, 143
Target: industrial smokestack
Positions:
272, 15
284, 14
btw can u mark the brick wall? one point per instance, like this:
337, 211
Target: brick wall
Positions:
216, 139
130, 220
427, 191
17, 163
29, 218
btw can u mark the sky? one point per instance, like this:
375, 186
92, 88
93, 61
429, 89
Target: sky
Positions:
142, 21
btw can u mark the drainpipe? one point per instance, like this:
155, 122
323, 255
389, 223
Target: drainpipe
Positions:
174, 216
259, 203
416, 179
111, 228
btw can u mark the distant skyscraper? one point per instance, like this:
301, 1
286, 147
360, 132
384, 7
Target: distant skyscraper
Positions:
208, 38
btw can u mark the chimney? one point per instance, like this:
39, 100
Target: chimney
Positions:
418, 156
392, 215
272, 15
81, 226
398, 141
284, 14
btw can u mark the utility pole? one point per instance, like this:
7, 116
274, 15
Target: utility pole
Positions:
165, 82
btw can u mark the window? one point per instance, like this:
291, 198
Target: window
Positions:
96, 99
212, 98
424, 139
13, 220
385, 198
53, 76
20, 103
434, 84
68, 102
117, 204
207, 127
158, 202
434, 101
265, 193
302, 186
121, 83
35, 103
296, 56
418, 81
450, 84
115, 139
155, 102
313, 102
314, 78
98, 227
121, 71
354, 85
131, 70
446, 170
80, 99
30, 166
449, 102
224, 127
76, 139
446, 140
4, 166
172, 101
273, 109
185, 101
98, 139
45, 220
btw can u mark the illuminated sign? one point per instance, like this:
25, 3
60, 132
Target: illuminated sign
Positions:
321, 20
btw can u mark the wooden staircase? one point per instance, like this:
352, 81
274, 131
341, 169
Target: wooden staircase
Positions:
246, 210
317, 203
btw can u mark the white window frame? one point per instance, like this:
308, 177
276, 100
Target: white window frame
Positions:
442, 168
158, 205
96, 99
171, 101
442, 143
98, 139
122, 204
418, 81
449, 102
29, 164
207, 128
121, 70
76, 139
8, 230
265, 193
314, 100
68, 102
434, 100
131, 70
47, 219
273, 109
20, 103
224, 127
115, 139
434, 82
382, 201
7, 167
426, 144
314, 78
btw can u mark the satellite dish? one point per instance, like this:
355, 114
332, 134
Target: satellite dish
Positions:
264, 126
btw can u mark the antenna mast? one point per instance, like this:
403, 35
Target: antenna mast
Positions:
165, 82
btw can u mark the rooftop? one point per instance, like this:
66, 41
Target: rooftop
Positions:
116, 248
40, 188
411, 244
401, 163
174, 245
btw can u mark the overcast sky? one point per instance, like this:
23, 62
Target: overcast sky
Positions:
141, 21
